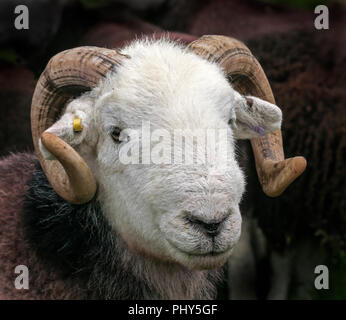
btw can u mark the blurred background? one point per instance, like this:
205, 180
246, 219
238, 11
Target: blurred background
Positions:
285, 238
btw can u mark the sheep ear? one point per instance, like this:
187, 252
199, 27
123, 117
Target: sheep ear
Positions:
254, 117
73, 125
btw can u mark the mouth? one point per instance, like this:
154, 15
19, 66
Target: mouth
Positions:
210, 254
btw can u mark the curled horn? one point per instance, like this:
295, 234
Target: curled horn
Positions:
247, 76
67, 75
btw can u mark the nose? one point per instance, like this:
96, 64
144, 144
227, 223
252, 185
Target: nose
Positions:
211, 228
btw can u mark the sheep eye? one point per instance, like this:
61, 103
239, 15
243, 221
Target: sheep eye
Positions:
231, 122
116, 134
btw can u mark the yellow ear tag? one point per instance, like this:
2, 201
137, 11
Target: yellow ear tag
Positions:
77, 124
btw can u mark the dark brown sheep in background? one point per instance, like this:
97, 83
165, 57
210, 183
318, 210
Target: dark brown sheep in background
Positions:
307, 224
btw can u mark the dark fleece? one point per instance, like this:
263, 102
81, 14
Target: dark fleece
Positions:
72, 252
15, 171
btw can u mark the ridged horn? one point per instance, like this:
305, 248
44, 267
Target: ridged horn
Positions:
67, 75
275, 173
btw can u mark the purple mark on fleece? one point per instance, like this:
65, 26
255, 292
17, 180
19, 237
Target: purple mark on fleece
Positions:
257, 129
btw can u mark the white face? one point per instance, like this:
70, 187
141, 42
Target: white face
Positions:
173, 211
170, 210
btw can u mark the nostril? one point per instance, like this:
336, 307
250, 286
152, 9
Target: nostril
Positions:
211, 229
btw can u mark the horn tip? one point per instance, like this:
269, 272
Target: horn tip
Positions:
278, 175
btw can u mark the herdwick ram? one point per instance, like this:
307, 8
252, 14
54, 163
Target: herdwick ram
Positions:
89, 226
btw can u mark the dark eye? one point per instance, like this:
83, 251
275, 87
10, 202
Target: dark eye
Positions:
116, 134
231, 122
